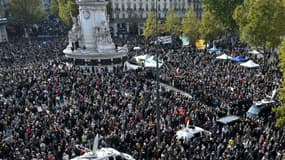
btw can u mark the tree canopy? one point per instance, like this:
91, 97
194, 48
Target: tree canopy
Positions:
223, 11
27, 11
210, 28
65, 7
150, 25
190, 26
172, 24
280, 111
260, 22
54, 7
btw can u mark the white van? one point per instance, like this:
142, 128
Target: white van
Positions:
191, 132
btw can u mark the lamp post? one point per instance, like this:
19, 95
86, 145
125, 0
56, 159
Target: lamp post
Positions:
157, 79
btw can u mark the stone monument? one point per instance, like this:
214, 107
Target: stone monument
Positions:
90, 42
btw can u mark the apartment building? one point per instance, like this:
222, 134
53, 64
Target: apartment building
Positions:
3, 21
129, 16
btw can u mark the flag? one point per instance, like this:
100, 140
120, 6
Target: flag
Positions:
200, 44
178, 71
182, 111
95, 144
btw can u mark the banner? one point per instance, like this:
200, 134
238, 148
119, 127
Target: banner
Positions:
164, 39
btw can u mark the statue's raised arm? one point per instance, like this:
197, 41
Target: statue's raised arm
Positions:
74, 19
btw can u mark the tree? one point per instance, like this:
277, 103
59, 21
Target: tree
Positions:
150, 25
65, 7
190, 26
172, 24
27, 11
280, 111
54, 7
210, 28
223, 11
260, 22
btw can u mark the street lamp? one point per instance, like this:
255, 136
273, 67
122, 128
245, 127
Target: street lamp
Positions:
157, 78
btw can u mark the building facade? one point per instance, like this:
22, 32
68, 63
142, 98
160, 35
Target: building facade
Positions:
3, 21
129, 16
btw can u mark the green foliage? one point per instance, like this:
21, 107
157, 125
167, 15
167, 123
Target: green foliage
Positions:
223, 11
65, 7
260, 22
280, 111
172, 24
27, 11
54, 7
190, 26
150, 25
210, 27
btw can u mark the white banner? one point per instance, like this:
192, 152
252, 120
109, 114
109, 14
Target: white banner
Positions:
164, 39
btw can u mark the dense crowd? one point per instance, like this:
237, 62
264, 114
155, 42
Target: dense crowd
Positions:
48, 107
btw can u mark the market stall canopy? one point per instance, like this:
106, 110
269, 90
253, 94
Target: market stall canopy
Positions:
249, 64
239, 59
224, 56
228, 119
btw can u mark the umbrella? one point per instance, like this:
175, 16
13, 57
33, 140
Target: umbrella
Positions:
249, 64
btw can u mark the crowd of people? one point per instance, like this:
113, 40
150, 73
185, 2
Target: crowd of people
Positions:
47, 107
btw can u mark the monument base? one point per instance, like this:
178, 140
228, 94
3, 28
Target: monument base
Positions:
85, 57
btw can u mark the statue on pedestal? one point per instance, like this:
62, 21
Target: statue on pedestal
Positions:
74, 35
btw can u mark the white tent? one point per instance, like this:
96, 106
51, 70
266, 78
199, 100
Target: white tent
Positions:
249, 64
257, 53
130, 66
254, 52
224, 56
137, 48
142, 57
151, 62
147, 61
